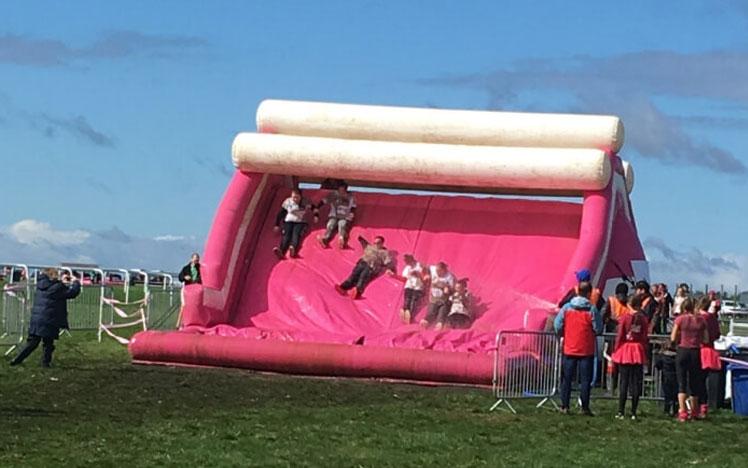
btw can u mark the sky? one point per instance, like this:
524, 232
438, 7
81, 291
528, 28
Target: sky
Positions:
116, 118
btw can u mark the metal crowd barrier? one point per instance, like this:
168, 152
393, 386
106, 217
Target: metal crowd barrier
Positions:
15, 315
163, 308
527, 364
84, 310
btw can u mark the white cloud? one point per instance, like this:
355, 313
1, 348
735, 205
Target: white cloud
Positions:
693, 266
37, 242
169, 238
33, 232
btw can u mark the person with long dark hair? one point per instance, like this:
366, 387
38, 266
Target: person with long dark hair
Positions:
631, 354
711, 365
689, 332
49, 314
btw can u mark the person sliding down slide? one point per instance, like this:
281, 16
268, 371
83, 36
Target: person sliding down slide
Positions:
375, 258
295, 223
342, 210
441, 282
413, 277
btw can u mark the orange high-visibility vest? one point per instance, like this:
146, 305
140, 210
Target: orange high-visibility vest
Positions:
617, 308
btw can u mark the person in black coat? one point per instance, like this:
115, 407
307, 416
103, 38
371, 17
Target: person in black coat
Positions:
190, 273
49, 314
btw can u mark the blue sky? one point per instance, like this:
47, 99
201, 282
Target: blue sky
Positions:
116, 119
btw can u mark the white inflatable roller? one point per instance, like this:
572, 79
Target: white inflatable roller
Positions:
423, 163
459, 127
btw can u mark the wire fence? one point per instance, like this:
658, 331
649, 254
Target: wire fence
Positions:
90, 309
15, 315
163, 308
526, 365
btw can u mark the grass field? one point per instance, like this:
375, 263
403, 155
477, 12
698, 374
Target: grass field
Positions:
95, 408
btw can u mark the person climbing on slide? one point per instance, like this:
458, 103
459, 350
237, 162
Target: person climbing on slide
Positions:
374, 259
295, 223
342, 211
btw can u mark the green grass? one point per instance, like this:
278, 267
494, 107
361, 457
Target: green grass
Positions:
95, 408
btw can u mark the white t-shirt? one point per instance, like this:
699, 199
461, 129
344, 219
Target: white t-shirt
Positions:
460, 304
439, 282
295, 212
413, 281
677, 302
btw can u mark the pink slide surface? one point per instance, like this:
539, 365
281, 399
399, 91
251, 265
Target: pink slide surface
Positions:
519, 255
510, 250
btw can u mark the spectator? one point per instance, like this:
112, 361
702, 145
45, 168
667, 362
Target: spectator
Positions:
648, 301
49, 314
681, 293
715, 304
615, 307
342, 211
630, 355
412, 275
374, 258
19, 275
596, 296
578, 322
664, 361
711, 365
441, 282
295, 224
460, 309
190, 273
662, 323
689, 332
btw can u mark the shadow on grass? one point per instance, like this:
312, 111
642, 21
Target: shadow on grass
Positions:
29, 412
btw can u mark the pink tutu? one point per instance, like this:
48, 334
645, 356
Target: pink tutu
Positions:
630, 353
710, 359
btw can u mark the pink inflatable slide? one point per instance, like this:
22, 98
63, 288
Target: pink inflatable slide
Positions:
519, 251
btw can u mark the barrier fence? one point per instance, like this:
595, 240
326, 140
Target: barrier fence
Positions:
95, 308
84, 310
527, 364
15, 312
133, 312
163, 308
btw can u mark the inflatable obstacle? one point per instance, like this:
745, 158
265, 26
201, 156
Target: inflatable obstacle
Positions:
520, 251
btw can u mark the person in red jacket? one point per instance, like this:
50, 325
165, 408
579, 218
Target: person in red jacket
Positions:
578, 322
711, 365
631, 354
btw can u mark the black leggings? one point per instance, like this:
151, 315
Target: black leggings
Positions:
292, 234
688, 369
630, 376
710, 389
412, 296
